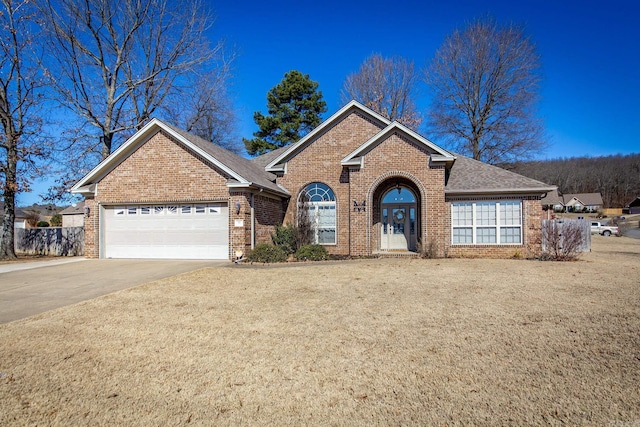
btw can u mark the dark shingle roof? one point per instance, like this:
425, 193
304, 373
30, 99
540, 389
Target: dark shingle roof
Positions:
74, 210
248, 170
552, 198
587, 199
471, 176
264, 159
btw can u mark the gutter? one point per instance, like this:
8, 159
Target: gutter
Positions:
259, 187
488, 191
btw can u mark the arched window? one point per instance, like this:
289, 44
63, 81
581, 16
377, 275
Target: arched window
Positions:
317, 205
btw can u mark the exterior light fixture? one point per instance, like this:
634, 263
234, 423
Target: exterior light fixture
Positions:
237, 207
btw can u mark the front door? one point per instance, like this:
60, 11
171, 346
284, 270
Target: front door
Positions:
398, 222
396, 228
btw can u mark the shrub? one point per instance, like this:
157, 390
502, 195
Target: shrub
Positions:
304, 225
267, 253
429, 250
285, 238
56, 220
32, 218
563, 240
43, 224
312, 253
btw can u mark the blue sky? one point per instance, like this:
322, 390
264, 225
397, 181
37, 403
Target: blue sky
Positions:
590, 55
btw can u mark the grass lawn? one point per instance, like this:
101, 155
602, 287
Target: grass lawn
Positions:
387, 342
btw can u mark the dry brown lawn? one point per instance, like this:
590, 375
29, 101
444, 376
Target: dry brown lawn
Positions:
369, 342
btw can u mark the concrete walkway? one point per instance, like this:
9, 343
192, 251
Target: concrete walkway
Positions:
27, 289
17, 266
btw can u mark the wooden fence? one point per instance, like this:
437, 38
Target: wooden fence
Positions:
60, 241
612, 211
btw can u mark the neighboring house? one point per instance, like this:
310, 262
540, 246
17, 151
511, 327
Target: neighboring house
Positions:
578, 202
572, 202
553, 201
20, 220
633, 207
369, 186
73, 216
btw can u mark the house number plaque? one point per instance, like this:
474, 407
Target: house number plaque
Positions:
359, 207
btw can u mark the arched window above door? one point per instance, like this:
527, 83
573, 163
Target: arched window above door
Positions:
399, 195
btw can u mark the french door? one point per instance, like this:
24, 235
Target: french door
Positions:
398, 224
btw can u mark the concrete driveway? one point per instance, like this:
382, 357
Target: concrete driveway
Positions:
27, 289
634, 233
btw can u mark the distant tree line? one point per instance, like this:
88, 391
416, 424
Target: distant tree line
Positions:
616, 177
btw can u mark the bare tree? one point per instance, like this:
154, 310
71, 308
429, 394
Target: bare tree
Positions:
21, 83
32, 218
305, 227
387, 86
118, 62
564, 240
484, 81
207, 111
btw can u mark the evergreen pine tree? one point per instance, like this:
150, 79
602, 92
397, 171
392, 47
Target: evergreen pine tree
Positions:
294, 108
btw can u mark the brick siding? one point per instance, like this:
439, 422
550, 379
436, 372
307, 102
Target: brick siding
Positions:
268, 214
320, 162
394, 160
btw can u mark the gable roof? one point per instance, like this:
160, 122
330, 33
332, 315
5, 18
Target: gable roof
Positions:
277, 164
264, 159
355, 157
632, 204
469, 176
78, 209
242, 172
466, 176
552, 198
586, 199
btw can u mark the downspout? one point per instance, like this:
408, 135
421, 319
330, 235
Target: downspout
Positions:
253, 222
99, 233
349, 213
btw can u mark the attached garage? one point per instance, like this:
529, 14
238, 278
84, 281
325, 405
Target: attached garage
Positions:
171, 231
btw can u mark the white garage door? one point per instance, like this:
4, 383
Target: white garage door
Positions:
178, 231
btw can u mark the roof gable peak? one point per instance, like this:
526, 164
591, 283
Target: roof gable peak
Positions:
276, 165
241, 171
355, 157
136, 140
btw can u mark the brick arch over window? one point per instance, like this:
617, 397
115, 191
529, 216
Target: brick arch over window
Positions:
377, 190
319, 201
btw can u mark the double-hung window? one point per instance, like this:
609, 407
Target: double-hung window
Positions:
486, 222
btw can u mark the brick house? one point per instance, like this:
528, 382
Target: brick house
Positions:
368, 185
